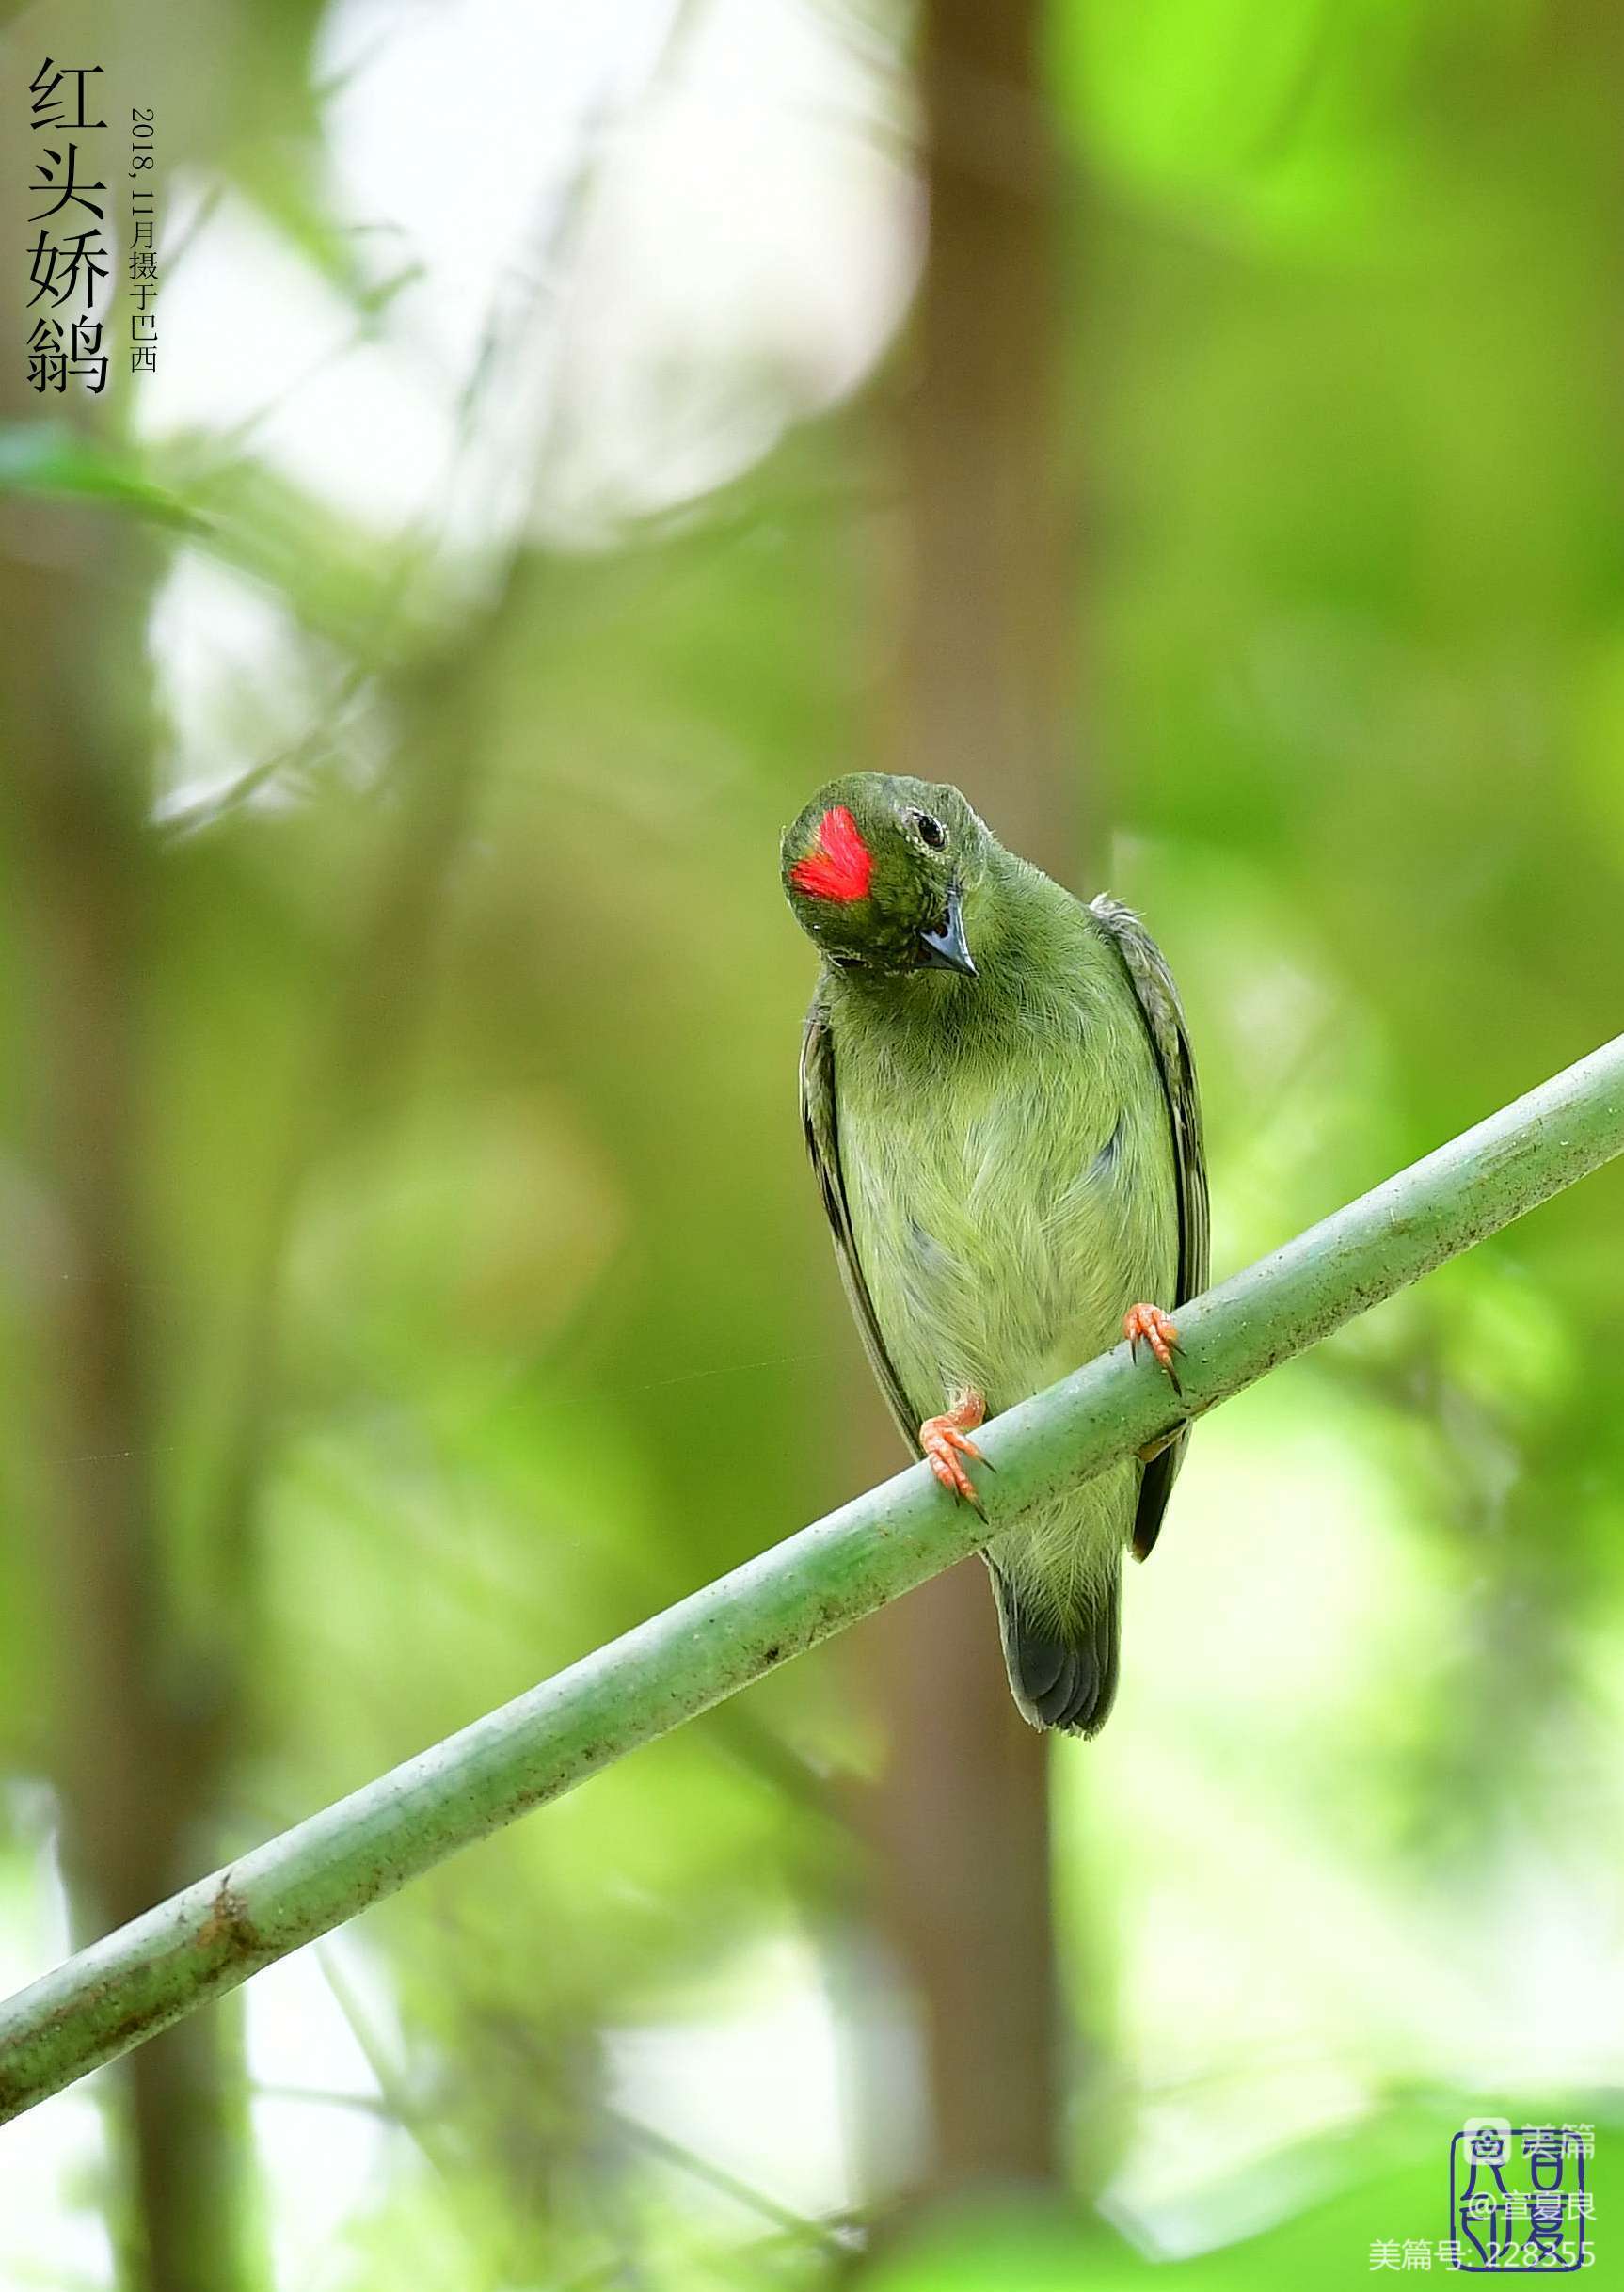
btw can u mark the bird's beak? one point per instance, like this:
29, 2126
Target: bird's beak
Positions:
948, 950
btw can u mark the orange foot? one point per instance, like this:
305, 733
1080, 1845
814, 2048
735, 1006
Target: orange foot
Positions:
1149, 1321
943, 1440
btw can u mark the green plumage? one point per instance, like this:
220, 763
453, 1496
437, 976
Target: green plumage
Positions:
1008, 1160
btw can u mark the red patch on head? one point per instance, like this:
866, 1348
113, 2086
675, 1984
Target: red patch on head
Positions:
841, 866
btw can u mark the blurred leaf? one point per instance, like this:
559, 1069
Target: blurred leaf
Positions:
48, 458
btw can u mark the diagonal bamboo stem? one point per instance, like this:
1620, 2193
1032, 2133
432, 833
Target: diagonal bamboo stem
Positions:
204, 1941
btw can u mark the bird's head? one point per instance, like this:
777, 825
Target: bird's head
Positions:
878, 872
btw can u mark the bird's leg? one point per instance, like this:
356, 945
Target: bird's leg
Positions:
944, 1443
1149, 1323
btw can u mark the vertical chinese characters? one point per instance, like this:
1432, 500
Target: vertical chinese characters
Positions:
143, 248
68, 255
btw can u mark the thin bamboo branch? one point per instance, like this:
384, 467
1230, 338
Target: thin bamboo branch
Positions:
204, 1941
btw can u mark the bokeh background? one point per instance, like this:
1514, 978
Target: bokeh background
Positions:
1194, 427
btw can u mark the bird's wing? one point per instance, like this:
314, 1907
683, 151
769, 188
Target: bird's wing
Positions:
818, 1120
1164, 1018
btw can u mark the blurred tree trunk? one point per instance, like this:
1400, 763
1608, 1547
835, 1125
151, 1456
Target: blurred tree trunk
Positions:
141, 1725
982, 699
984, 694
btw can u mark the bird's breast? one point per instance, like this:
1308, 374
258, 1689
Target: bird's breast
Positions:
1002, 1223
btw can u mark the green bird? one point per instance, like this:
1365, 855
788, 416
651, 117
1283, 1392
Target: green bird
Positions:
1000, 1106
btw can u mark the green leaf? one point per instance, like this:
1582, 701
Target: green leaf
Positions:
49, 458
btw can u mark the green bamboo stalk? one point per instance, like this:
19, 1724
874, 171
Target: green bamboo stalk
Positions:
204, 1941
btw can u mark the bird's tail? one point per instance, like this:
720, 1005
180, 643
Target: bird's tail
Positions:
1063, 1675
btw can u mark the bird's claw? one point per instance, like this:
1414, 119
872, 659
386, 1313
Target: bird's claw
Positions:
1149, 1325
945, 1441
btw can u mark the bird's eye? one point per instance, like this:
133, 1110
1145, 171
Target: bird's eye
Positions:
929, 830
